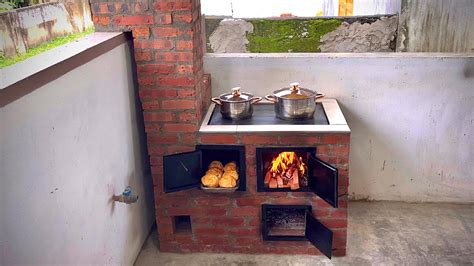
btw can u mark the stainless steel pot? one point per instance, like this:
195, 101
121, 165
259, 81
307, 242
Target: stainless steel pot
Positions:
294, 103
236, 105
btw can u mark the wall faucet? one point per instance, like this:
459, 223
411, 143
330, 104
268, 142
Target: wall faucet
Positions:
126, 196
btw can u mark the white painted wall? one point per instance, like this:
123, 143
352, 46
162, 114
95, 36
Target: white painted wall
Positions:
66, 149
411, 115
300, 8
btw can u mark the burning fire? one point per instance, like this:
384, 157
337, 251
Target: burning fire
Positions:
287, 170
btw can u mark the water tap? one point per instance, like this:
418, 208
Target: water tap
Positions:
126, 196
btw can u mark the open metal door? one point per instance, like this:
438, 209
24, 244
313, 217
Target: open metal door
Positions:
319, 235
323, 180
182, 171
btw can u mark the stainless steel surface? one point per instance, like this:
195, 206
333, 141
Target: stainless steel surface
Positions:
294, 102
337, 123
236, 105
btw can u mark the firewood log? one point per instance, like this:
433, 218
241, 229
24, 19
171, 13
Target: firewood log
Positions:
279, 181
268, 176
273, 183
295, 184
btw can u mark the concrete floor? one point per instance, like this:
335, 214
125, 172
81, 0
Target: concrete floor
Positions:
379, 233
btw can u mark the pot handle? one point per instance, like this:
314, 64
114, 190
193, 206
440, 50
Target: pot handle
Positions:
216, 101
271, 98
255, 100
319, 95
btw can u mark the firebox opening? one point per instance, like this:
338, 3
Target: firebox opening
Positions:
182, 224
284, 222
283, 169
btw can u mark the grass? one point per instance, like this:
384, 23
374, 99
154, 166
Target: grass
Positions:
58, 41
291, 35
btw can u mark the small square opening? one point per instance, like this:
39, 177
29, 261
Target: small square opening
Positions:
182, 224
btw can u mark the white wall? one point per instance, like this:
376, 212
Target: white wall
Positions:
67, 148
411, 115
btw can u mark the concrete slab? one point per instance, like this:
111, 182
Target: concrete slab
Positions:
379, 233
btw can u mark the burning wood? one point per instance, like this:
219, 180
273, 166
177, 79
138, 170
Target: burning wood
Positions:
286, 171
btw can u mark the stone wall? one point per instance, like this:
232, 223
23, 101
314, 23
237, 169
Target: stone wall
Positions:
24, 28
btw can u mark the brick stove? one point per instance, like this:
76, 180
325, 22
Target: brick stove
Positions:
239, 221
175, 93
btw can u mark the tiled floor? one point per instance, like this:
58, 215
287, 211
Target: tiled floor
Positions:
379, 233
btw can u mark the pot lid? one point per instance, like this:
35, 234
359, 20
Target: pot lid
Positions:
295, 92
236, 96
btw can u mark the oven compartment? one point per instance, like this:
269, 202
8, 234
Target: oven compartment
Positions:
184, 170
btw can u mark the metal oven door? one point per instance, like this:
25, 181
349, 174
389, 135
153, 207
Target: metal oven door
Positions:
323, 180
182, 171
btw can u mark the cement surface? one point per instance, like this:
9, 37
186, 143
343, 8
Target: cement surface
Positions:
379, 233
230, 36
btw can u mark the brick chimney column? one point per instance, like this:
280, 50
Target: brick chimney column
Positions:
173, 89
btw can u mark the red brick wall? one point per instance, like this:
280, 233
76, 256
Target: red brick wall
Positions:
174, 93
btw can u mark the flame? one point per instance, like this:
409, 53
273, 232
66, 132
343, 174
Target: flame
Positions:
282, 161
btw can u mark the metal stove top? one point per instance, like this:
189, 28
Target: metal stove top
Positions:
264, 114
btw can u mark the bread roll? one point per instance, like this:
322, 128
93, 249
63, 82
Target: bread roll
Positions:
232, 174
230, 166
216, 164
210, 180
215, 171
227, 182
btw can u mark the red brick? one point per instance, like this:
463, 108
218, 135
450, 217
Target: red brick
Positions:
180, 127
175, 57
184, 211
143, 32
168, 139
214, 201
101, 20
249, 201
178, 149
213, 240
228, 221
165, 32
212, 231
176, 81
156, 69
142, 56
245, 211
133, 20
188, 138
216, 212
150, 105
157, 116
296, 139
342, 150
184, 45
186, 92
259, 139
164, 19
218, 138
187, 17
159, 93
187, 117
331, 223
185, 69
177, 104
146, 80
245, 232
173, 6
153, 44
152, 128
